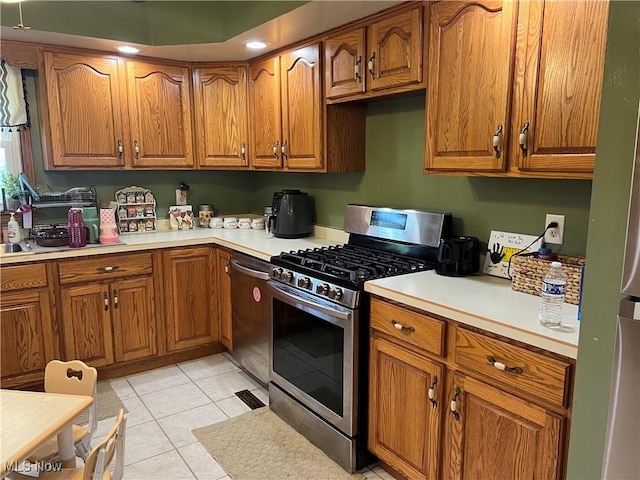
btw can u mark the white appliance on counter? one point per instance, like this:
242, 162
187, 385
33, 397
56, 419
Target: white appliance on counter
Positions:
622, 443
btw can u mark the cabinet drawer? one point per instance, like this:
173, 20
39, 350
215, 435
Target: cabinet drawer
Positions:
533, 373
105, 267
417, 329
23, 276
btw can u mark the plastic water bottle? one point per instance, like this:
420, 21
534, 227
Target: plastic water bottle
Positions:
554, 287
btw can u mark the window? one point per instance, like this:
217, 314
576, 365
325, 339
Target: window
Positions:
10, 154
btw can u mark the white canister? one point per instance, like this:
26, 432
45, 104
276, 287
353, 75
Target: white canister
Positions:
216, 222
230, 222
244, 223
257, 223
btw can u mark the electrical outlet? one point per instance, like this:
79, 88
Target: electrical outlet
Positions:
554, 235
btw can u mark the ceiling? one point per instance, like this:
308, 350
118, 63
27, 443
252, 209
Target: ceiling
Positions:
181, 30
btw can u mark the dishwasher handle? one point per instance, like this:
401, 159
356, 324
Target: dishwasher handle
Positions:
260, 275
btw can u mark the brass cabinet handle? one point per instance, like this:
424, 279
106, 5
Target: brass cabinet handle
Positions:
106, 301
522, 139
115, 299
136, 147
275, 149
120, 148
243, 150
226, 269
454, 403
496, 141
371, 65
401, 327
283, 149
503, 367
432, 392
108, 268
356, 70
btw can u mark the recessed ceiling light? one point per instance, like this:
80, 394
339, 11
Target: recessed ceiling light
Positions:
256, 44
128, 49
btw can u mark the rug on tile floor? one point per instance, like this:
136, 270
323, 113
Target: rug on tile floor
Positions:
108, 404
258, 444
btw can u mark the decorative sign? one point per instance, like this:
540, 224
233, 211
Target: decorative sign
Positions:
502, 246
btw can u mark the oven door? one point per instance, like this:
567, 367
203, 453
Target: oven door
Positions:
313, 354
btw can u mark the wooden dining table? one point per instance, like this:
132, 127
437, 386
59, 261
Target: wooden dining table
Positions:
28, 419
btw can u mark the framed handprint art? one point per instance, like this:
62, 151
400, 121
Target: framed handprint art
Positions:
502, 246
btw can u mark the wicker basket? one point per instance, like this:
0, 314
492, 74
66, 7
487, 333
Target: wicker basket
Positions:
527, 273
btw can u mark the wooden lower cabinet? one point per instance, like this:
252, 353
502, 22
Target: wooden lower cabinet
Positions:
493, 434
404, 423
454, 415
223, 259
107, 307
191, 314
29, 337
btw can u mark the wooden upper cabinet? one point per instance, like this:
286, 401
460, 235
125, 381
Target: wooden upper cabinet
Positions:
386, 56
265, 111
396, 50
561, 72
301, 94
469, 78
160, 111
220, 107
345, 64
86, 112
286, 109
496, 435
514, 88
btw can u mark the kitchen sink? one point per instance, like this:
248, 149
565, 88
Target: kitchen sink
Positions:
22, 248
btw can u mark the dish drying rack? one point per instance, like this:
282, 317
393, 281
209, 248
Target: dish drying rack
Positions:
74, 197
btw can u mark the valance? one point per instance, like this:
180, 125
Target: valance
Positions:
14, 111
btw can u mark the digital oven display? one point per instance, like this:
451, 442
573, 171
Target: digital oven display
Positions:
395, 220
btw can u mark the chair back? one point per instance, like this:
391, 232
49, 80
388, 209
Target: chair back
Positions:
73, 378
101, 455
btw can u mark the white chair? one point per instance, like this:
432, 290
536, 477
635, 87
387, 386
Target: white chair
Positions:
98, 459
75, 378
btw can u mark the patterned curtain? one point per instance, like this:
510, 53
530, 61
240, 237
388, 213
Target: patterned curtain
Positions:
14, 111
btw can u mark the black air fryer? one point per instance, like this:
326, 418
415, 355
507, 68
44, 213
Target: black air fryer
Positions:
293, 214
458, 256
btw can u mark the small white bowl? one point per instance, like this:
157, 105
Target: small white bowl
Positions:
244, 223
216, 222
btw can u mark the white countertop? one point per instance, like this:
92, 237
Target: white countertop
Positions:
480, 301
485, 302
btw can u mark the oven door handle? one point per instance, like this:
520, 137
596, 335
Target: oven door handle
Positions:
307, 305
249, 271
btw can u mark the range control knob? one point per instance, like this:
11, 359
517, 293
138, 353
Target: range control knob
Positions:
335, 293
277, 272
322, 289
287, 276
304, 282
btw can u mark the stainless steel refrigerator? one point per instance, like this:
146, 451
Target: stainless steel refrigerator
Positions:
622, 447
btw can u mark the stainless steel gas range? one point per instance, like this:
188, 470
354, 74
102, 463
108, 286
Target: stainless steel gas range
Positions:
318, 359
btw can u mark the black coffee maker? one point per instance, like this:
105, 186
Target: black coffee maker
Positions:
293, 214
458, 256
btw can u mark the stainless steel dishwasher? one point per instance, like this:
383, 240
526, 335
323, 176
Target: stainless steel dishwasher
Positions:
251, 315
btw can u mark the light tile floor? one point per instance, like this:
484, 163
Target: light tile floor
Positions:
167, 403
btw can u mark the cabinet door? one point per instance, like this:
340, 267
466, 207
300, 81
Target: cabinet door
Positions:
224, 298
561, 71
86, 321
29, 340
221, 117
86, 111
471, 50
266, 117
134, 323
497, 435
191, 313
345, 64
396, 51
302, 109
160, 110
404, 425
